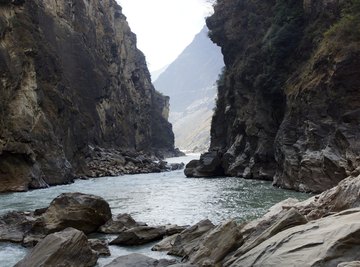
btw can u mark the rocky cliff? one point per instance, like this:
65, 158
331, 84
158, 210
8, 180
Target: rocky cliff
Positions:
72, 85
289, 99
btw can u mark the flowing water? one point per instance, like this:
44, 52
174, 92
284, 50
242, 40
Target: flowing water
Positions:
157, 198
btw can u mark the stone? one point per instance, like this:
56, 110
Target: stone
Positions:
118, 224
139, 235
190, 238
14, 226
81, 211
171, 229
343, 196
286, 220
69, 247
209, 165
165, 244
324, 242
100, 246
139, 260
216, 244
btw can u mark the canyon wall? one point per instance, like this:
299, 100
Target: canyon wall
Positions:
289, 99
72, 82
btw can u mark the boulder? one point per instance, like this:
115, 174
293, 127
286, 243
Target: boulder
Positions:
165, 244
139, 260
343, 196
69, 248
100, 246
139, 236
286, 220
118, 224
209, 165
216, 244
81, 211
324, 242
190, 238
171, 229
14, 225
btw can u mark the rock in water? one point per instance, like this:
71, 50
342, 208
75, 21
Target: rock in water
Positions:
81, 211
138, 260
118, 224
69, 248
139, 236
64, 94
100, 246
14, 226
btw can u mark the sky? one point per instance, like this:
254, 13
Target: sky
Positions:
164, 27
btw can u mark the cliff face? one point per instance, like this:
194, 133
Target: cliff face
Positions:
288, 103
71, 80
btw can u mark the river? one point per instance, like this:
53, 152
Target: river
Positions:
157, 198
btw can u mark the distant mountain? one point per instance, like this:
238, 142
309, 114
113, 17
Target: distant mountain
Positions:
189, 81
156, 73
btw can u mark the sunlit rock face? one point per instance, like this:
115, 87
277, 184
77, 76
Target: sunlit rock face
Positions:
288, 103
72, 79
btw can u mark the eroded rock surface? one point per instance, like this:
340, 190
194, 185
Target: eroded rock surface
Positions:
287, 111
81, 211
69, 247
73, 88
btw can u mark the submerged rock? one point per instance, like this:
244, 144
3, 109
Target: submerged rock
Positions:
69, 248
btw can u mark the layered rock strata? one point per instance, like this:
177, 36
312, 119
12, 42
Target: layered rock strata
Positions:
72, 81
288, 101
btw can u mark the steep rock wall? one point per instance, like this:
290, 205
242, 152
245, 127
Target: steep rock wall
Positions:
71, 80
288, 100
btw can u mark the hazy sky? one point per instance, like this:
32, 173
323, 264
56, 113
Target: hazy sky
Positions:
164, 27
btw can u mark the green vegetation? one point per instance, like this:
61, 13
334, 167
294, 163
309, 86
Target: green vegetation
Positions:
347, 29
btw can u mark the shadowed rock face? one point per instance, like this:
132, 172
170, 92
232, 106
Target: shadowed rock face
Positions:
71, 79
288, 103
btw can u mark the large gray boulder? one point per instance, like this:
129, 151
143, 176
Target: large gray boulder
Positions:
285, 220
81, 211
324, 242
68, 248
216, 244
139, 260
190, 238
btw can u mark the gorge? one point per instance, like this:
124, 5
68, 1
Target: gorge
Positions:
77, 102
